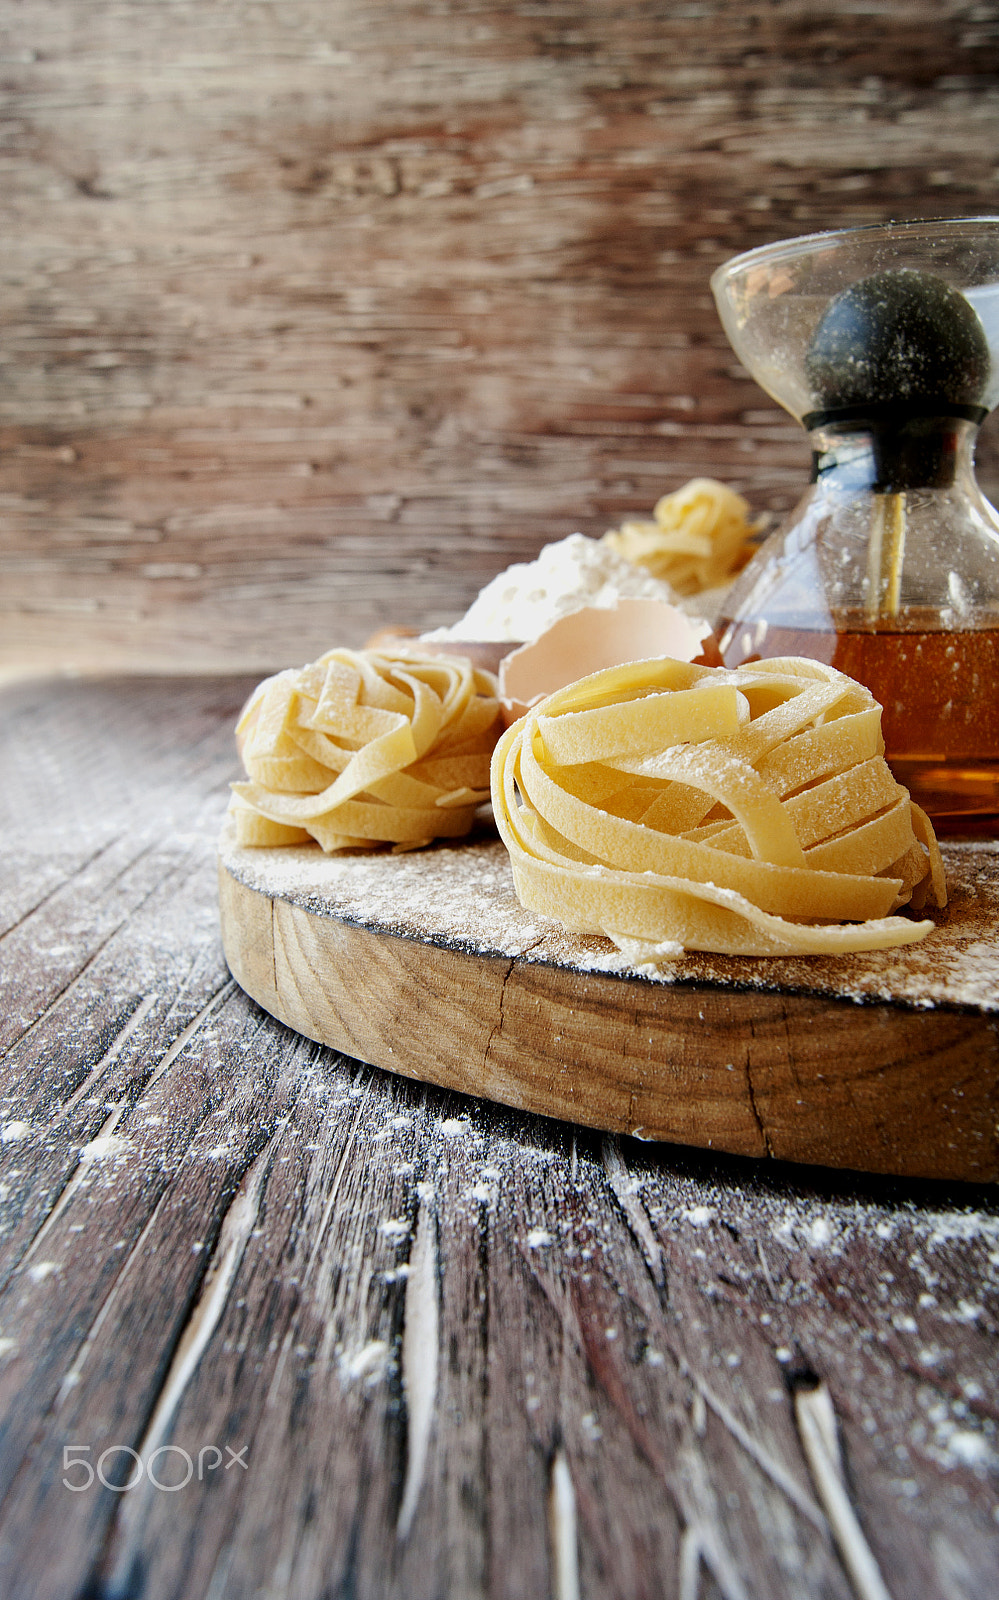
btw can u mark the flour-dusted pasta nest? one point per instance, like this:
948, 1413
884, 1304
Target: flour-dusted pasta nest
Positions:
747, 811
366, 747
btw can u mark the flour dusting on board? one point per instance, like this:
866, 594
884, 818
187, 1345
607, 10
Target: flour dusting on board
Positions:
463, 897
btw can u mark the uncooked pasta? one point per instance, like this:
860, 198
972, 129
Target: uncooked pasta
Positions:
698, 537
748, 812
366, 747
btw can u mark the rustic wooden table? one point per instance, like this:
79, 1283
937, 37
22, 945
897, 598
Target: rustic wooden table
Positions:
274, 1323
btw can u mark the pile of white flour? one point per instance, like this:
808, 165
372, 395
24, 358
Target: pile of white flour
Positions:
528, 597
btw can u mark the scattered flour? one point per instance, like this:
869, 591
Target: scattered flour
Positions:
104, 1148
394, 1228
968, 1449
368, 1364
42, 1270
455, 1127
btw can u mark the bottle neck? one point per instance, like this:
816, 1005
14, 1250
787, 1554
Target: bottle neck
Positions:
893, 456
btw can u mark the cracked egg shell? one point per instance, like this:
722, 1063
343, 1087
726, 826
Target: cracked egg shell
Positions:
585, 641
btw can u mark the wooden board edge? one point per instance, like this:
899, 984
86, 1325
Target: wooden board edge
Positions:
803, 1078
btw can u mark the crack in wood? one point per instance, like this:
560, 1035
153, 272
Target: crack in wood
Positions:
689, 1574
184, 1038
73, 1181
635, 1213
73, 1373
420, 1354
77, 978
497, 1026
74, 1175
571, 1307
334, 1188
764, 1460
767, 1275
697, 1546
39, 904
751, 1096
237, 1226
772, 1468
816, 1418
204, 1316
110, 1055
562, 1529
67, 988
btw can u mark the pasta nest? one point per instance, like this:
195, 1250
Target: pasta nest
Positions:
366, 747
747, 811
698, 538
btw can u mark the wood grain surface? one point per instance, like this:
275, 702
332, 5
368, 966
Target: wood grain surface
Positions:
316, 315
451, 1349
881, 1087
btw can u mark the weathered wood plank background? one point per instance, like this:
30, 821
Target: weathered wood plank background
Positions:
317, 313
469, 1354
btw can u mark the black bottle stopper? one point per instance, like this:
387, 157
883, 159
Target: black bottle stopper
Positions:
902, 355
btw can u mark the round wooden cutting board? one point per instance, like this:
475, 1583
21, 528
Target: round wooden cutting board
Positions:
425, 964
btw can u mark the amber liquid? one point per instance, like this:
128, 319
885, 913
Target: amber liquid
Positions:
940, 697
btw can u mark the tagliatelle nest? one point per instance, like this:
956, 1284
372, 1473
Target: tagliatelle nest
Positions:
698, 538
746, 811
366, 747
